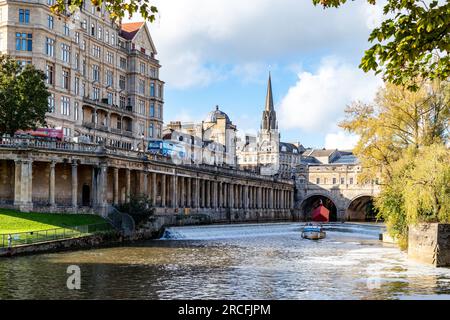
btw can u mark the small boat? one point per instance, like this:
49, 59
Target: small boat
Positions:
313, 232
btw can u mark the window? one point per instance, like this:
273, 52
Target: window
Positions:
67, 132
159, 94
141, 129
334, 180
342, 181
83, 89
66, 79
51, 103
152, 89
96, 93
110, 98
122, 101
65, 106
317, 180
75, 111
109, 78
106, 36
151, 131
83, 45
100, 33
92, 29
77, 37
77, 61
109, 57
113, 39
351, 180
141, 107
96, 51
50, 22
50, 2
123, 63
24, 16
83, 68
50, 73
50, 47
141, 87
77, 86
152, 110
142, 67
65, 52
122, 82
95, 72
66, 29
24, 41
84, 23
153, 72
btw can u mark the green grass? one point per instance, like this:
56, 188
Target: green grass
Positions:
27, 228
12, 221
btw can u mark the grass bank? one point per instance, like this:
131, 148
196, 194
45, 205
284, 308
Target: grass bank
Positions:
12, 221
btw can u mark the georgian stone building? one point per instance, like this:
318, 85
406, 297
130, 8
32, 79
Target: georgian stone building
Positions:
266, 154
217, 133
103, 76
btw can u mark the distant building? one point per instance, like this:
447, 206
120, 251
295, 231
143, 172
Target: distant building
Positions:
217, 133
265, 153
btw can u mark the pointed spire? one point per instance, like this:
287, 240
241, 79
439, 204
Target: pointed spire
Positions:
269, 96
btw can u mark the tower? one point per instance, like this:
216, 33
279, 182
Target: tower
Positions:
269, 136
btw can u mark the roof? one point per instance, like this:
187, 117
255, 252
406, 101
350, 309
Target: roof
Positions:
130, 29
347, 159
289, 147
217, 114
320, 152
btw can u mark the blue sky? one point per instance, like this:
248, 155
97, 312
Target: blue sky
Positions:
220, 52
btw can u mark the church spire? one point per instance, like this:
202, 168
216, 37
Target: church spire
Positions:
269, 97
269, 118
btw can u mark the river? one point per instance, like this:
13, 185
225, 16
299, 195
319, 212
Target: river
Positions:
267, 261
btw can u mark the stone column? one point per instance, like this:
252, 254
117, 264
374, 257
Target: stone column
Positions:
208, 194
271, 199
154, 187
219, 194
189, 192
51, 184
101, 188
23, 185
74, 185
163, 190
231, 195
246, 201
174, 191
116, 186
128, 185
145, 184
196, 193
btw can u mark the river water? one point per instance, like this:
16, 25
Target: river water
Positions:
268, 261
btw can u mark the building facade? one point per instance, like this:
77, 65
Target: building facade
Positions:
103, 76
265, 153
217, 133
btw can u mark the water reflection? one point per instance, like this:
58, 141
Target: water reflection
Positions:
231, 262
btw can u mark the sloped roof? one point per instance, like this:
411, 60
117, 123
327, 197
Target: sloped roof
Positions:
130, 29
320, 153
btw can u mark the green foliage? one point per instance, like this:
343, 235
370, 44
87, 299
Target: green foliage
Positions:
403, 141
412, 43
23, 96
117, 9
139, 207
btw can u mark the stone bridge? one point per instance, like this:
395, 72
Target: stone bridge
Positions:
69, 177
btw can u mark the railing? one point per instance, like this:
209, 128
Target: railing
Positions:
96, 148
32, 237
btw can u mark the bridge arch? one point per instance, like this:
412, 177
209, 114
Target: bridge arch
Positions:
361, 208
313, 200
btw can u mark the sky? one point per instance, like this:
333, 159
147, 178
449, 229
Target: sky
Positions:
220, 52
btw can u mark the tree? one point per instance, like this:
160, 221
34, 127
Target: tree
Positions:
412, 43
403, 141
398, 119
23, 96
116, 8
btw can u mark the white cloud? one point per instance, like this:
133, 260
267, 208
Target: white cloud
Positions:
317, 101
340, 140
198, 39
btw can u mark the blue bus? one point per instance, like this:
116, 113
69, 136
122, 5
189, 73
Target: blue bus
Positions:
166, 148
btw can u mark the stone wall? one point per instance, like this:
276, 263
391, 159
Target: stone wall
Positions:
430, 243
